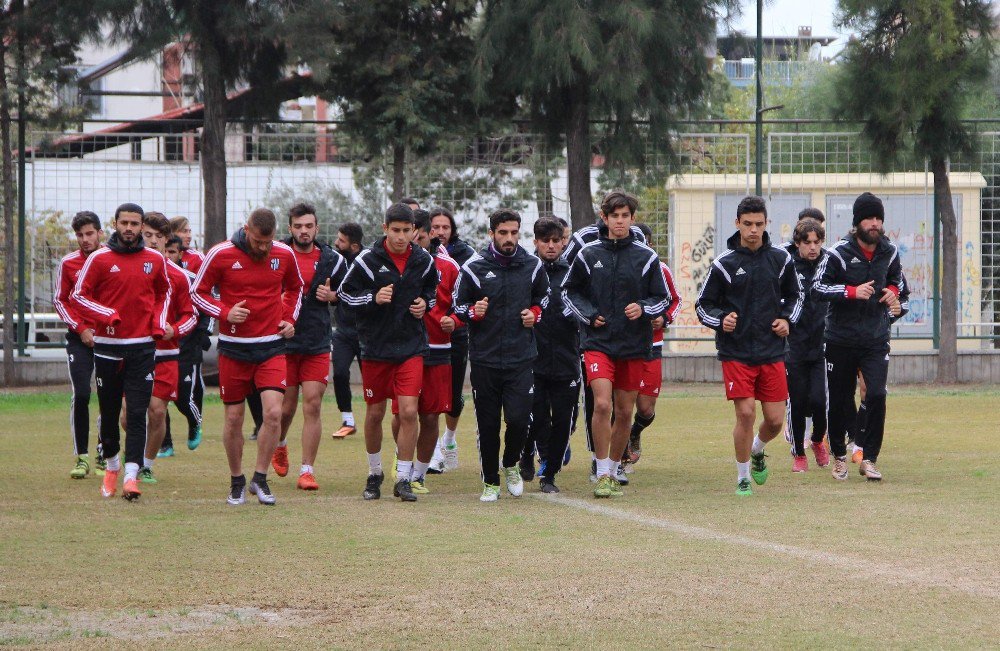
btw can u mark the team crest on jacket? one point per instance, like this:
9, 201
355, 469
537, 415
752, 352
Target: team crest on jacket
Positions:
147, 267
274, 264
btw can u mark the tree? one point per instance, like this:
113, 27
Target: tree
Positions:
573, 62
908, 78
397, 69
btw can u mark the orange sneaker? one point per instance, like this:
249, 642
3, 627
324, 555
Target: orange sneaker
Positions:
344, 431
280, 460
858, 456
110, 484
131, 490
307, 482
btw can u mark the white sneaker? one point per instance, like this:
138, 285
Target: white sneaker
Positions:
437, 461
490, 493
515, 485
451, 457
621, 476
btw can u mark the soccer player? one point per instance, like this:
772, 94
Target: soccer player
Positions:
500, 295
191, 258
260, 293
556, 369
345, 344
444, 228
307, 355
751, 298
79, 339
389, 288
181, 321
804, 361
616, 289
124, 291
862, 279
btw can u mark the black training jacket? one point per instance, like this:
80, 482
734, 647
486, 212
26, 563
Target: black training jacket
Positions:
313, 327
342, 315
589, 234
460, 252
851, 322
760, 286
805, 342
558, 332
499, 339
606, 276
389, 332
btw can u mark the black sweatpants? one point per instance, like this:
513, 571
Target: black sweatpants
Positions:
189, 382
552, 420
459, 360
493, 390
806, 397
346, 349
843, 363
80, 359
124, 373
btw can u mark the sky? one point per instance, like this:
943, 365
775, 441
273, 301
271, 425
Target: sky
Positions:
783, 18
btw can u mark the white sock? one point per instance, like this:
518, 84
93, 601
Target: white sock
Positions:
742, 470
758, 445
131, 471
854, 447
404, 469
304, 469
419, 470
282, 444
448, 437
348, 418
114, 463
603, 467
375, 463
147, 463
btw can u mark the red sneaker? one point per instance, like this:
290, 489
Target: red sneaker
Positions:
822, 454
109, 486
307, 482
131, 490
799, 464
280, 460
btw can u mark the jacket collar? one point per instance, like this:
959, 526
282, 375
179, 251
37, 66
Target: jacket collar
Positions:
115, 244
602, 233
734, 243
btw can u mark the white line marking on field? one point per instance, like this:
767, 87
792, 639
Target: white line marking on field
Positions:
911, 575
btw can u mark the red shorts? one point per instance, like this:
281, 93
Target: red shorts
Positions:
435, 394
307, 368
625, 374
383, 380
165, 380
652, 377
766, 382
238, 379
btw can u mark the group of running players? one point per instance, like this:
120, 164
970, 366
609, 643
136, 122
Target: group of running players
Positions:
587, 309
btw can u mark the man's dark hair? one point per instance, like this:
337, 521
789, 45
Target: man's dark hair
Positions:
177, 223
83, 218
422, 220
158, 222
812, 213
399, 212
751, 204
547, 228
409, 200
301, 210
647, 232
616, 199
502, 215
562, 222
129, 207
174, 240
806, 226
263, 221
352, 232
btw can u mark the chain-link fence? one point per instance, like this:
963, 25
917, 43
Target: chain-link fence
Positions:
688, 199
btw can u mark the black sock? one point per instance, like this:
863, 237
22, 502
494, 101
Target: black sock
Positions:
640, 423
240, 480
259, 477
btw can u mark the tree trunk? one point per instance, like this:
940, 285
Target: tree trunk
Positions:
578, 155
9, 251
947, 371
213, 145
398, 170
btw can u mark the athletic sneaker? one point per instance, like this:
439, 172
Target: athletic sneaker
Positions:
404, 491
419, 487
593, 471
743, 488
542, 469
616, 488
279, 460
840, 468
373, 487
491, 493
165, 451
395, 471
620, 476
634, 447
869, 471
603, 488
548, 486
526, 466
515, 484
307, 482
100, 465
237, 493
253, 435
799, 463
821, 453
263, 492
858, 456
344, 431
110, 484
130, 491
195, 440
758, 468
451, 457
146, 476
82, 467
437, 461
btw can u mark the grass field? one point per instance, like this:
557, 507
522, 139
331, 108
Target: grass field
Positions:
678, 562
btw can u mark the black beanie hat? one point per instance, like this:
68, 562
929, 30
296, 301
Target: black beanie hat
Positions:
868, 205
